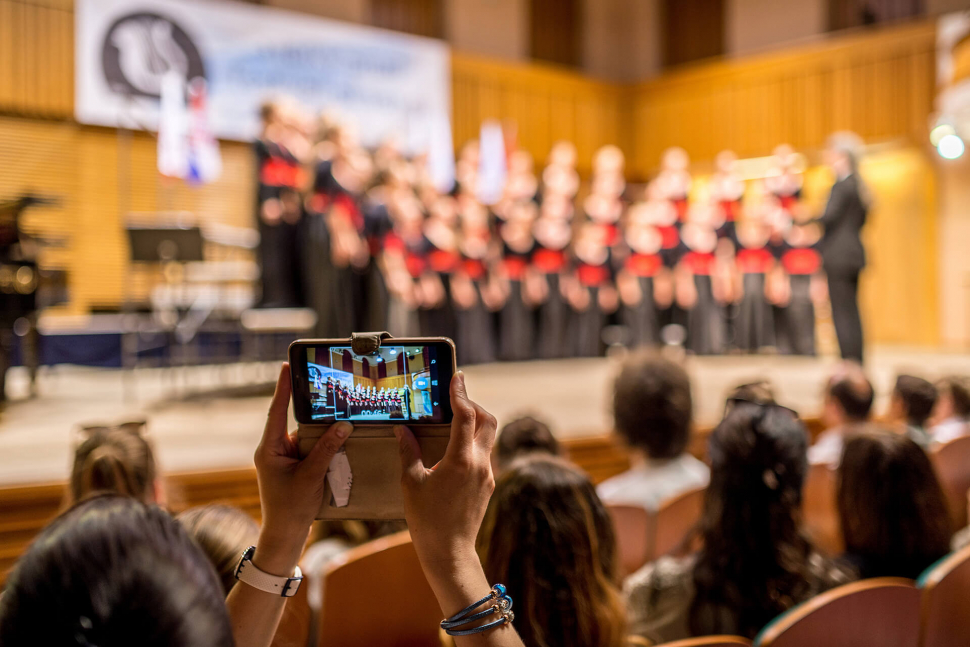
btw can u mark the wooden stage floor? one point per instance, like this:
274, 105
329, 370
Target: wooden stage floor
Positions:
211, 417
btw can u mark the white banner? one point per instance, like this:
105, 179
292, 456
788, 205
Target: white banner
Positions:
383, 83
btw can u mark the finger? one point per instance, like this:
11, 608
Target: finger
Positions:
412, 467
274, 433
463, 424
486, 429
327, 447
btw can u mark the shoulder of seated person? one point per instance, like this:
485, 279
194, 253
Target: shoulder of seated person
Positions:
829, 573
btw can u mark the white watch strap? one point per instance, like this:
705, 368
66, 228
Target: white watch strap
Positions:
283, 586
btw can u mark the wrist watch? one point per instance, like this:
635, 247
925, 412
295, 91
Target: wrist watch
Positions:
283, 586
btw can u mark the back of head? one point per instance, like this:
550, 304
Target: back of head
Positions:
652, 406
523, 436
223, 533
956, 389
918, 396
112, 571
753, 564
760, 392
892, 508
114, 460
549, 539
851, 392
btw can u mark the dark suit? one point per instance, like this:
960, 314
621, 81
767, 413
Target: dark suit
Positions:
843, 258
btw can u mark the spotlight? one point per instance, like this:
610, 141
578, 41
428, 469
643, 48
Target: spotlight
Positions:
941, 131
950, 147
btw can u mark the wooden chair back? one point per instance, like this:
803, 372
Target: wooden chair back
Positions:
881, 612
945, 605
376, 594
952, 464
820, 515
709, 641
634, 530
675, 519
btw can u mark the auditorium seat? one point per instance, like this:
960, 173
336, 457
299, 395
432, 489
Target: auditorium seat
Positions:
642, 536
709, 641
952, 464
945, 612
633, 527
881, 612
820, 516
376, 594
675, 519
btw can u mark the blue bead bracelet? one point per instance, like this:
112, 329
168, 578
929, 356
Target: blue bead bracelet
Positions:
502, 606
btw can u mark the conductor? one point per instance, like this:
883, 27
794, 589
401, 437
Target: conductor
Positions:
843, 256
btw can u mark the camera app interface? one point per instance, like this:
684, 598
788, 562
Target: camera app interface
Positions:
396, 383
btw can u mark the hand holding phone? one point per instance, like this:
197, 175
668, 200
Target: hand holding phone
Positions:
403, 381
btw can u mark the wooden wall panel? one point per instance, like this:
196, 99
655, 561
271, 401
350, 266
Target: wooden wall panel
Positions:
878, 84
37, 57
546, 104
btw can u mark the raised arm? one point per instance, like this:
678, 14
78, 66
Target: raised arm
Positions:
444, 507
290, 491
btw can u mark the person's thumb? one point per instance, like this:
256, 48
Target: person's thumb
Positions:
328, 445
412, 468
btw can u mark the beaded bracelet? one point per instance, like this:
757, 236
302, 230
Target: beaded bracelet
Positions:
502, 606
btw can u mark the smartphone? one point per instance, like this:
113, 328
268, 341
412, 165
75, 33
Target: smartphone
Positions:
406, 381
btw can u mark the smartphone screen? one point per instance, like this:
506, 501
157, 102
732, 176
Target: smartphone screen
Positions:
400, 383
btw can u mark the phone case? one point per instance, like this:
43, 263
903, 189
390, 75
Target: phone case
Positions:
372, 450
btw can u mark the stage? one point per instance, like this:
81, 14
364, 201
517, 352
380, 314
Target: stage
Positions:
211, 417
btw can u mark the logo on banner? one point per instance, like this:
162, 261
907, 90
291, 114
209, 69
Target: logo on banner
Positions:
141, 48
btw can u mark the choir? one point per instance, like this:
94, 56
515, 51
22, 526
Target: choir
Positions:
366, 240
356, 401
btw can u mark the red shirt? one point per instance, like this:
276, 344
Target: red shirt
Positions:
754, 261
700, 262
801, 261
643, 264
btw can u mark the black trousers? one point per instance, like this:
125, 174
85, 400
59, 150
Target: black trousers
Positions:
844, 295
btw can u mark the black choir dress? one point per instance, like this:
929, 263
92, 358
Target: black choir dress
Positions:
476, 334
705, 320
403, 320
377, 225
318, 272
670, 253
588, 324
798, 318
440, 321
553, 314
643, 319
516, 322
755, 329
279, 243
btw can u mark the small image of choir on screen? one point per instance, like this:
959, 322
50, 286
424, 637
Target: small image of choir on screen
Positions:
393, 384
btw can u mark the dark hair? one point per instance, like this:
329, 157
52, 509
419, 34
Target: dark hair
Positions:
223, 533
918, 397
754, 563
759, 392
524, 435
549, 538
114, 460
652, 405
958, 388
892, 508
114, 571
853, 392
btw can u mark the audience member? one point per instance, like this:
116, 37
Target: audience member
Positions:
549, 538
111, 571
754, 563
847, 406
223, 533
912, 404
951, 416
652, 412
892, 509
115, 459
115, 571
523, 436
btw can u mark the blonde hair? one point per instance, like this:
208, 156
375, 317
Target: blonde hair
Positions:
223, 533
114, 460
